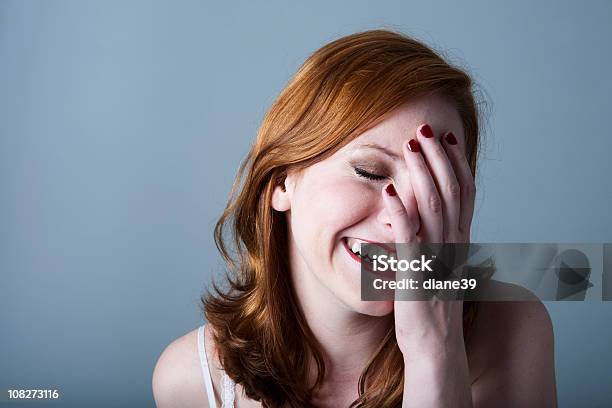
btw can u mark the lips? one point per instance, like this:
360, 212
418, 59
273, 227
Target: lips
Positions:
350, 241
356, 245
367, 265
351, 253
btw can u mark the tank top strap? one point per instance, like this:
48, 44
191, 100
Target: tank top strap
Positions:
228, 391
205, 369
227, 384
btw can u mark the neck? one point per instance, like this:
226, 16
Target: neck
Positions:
347, 338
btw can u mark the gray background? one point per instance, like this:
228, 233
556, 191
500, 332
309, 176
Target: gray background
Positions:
122, 124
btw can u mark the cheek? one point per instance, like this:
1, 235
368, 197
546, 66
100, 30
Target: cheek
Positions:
343, 201
322, 211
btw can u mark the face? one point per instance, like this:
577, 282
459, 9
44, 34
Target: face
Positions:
339, 200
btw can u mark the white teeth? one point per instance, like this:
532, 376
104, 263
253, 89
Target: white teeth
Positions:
355, 244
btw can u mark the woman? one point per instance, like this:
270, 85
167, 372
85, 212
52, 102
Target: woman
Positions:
374, 140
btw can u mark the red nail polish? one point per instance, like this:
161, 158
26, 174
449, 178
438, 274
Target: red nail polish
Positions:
391, 190
413, 145
426, 131
450, 138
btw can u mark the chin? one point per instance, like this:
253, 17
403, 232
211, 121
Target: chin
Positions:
350, 292
374, 308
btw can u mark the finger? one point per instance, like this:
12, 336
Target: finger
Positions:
425, 191
445, 180
404, 216
456, 155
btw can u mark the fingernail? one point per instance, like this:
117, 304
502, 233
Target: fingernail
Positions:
413, 145
391, 190
426, 131
450, 138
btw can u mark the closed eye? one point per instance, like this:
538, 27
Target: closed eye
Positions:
362, 173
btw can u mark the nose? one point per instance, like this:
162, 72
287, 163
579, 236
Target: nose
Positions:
406, 194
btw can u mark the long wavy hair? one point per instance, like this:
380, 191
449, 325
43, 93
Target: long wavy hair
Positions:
341, 90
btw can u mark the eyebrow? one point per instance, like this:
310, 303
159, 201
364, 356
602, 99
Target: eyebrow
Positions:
381, 149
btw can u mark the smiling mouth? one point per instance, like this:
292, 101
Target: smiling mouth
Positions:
354, 248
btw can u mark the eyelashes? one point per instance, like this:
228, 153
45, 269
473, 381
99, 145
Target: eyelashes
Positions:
370, 176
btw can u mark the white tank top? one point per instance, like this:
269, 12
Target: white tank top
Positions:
227, 384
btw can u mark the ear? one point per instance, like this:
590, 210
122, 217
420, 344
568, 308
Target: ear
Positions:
281, 196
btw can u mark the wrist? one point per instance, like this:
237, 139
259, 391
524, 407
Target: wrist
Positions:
436, 350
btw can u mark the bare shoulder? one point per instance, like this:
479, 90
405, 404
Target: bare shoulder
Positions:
525, 322
178, 380
512, 352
